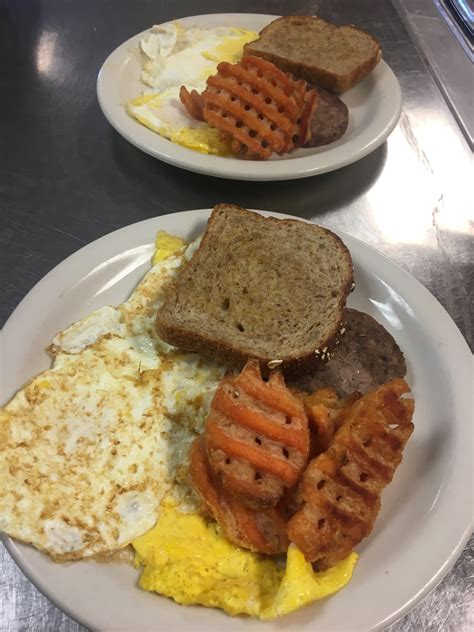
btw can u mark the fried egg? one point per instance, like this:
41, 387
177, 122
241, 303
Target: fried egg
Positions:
88, 448
171, 57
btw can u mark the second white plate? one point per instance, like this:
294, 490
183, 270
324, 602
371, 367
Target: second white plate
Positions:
374, 109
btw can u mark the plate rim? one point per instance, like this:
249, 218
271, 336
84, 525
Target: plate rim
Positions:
462, 347
259, 170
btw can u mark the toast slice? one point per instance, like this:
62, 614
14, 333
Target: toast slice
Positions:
260, 287
332, 57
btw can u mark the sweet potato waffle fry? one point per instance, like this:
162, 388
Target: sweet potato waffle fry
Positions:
323, 409
339, 494
262, 531
193, 102
256, 437
259, 107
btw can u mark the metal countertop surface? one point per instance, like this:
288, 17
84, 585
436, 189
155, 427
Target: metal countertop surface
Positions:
67, 178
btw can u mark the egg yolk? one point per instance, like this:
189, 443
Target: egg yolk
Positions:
187, 559
201, 137
205, 140
231, 50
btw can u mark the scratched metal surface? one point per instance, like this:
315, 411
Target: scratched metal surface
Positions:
67, 178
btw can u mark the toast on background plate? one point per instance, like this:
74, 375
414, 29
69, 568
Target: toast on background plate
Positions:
329, 56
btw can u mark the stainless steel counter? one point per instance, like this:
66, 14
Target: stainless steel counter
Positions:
67, 178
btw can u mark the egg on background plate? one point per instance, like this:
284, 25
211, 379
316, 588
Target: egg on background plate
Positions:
172, 57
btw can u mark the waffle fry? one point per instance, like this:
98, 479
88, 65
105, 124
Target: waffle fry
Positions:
310, 104
324, 411
193, 102
339, 494
256, 437
259, 107
263, 531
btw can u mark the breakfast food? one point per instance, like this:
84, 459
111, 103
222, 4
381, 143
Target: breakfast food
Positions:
260, 288
332, 57
367, 357
172, 56
260, 109
232, 91
186, 558
339, 495
125, 439
261, 530
359, 445
90, 447
252, 111
256, 437
329, 121
323, 409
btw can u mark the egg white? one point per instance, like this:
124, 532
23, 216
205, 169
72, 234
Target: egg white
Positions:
89, 448
173, 57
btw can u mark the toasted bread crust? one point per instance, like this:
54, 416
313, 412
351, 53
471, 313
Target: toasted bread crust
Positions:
291, 366
205, 342
312, 72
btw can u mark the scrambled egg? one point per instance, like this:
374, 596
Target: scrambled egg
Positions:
171, 57
190, 561
167, 245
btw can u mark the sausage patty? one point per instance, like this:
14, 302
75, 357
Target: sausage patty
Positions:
366, 357
329, 121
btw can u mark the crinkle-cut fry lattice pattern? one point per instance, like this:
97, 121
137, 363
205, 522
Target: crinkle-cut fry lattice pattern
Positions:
259, 107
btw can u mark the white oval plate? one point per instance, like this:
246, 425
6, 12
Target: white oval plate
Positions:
374, 109
426, 511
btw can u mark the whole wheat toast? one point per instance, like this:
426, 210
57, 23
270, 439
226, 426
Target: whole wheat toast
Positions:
329, 56
260, 287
